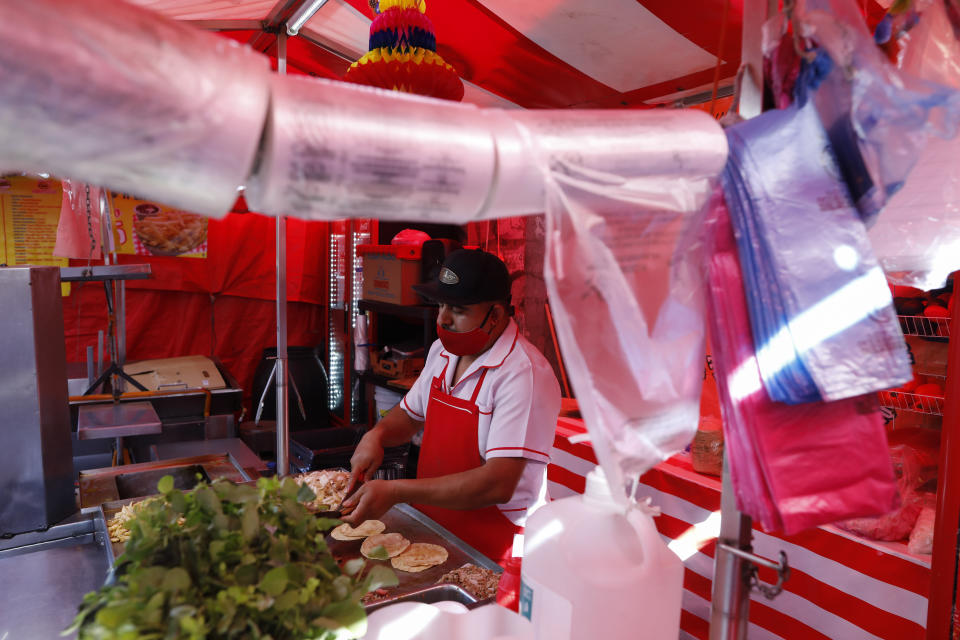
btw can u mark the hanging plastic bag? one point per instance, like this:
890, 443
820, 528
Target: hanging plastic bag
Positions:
821, 312
793, 467
78, 230
917, 239
624, 280
732, 351
877, 118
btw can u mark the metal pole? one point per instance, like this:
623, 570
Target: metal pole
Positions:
283, 398
730, 601
106, 213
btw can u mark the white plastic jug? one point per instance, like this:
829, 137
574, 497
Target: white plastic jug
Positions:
593, 569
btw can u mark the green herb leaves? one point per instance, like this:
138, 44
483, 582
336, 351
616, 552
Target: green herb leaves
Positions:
230, 561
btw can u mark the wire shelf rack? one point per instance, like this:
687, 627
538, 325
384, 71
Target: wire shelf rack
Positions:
925, 327
903, 401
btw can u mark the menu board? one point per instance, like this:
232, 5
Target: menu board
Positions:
147, 228
29, 212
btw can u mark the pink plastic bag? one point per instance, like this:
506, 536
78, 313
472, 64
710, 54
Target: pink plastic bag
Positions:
78, 231
797, 466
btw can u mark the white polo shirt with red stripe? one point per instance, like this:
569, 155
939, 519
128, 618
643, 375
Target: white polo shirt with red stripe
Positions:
519, 403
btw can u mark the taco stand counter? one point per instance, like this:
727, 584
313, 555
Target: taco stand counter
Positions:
841, 586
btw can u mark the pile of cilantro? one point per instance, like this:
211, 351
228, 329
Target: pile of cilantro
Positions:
230, 561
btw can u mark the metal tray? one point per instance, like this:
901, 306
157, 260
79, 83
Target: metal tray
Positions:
111, 549
422, 586
429, 595
100, 485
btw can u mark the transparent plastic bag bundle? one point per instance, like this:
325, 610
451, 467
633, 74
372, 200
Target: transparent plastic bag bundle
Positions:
821, 313
917, 239
112, 94
878, 118
625, 284
793, 466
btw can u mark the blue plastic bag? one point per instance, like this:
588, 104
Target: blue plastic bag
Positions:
821, 313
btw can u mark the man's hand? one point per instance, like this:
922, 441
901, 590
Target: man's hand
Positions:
366, 459
394, 429
371, 501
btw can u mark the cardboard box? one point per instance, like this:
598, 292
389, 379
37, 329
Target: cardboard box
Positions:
389, 272
393, 367
172, 374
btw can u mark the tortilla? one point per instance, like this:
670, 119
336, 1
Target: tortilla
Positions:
367, 528
420, 556
394, 543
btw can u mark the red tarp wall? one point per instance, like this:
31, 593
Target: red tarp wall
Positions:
221, 306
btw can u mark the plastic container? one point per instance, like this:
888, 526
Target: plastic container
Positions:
508, 591
385, 399
592, 570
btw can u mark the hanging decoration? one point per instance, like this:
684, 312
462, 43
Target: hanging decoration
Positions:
403, 53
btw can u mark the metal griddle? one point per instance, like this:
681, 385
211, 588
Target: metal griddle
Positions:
422, 586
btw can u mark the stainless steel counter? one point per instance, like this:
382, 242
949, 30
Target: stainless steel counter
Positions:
45, 575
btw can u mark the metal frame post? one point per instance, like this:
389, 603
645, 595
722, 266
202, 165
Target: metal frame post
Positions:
283, 392
283, 12
730, 600
943, 565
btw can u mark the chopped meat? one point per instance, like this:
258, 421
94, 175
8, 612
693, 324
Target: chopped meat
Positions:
329, 485
479, 582
374, 596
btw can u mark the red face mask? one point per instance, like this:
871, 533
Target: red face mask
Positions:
465, 343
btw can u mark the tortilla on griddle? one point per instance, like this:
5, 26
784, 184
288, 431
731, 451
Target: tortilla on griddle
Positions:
365, 529
394, 543
419, 556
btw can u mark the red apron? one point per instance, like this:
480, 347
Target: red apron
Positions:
450, 446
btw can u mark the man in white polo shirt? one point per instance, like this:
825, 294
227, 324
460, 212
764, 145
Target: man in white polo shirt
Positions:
487, 401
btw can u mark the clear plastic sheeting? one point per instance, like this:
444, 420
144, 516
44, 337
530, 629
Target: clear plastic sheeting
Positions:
822, 316
115, 95
917, 239
623, 273
336, 150
878, 118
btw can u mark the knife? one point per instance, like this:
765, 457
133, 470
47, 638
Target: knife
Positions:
338, 511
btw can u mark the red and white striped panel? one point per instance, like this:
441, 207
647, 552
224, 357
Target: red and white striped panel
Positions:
841, 587
531, 53
535, 53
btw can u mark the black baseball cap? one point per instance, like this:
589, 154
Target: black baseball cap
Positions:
468, 276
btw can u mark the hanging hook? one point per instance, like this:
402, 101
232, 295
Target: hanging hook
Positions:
782, 567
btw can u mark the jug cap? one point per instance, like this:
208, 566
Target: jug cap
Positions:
597, 487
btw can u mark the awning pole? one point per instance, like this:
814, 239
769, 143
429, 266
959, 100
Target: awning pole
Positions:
283, 397
730, 601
